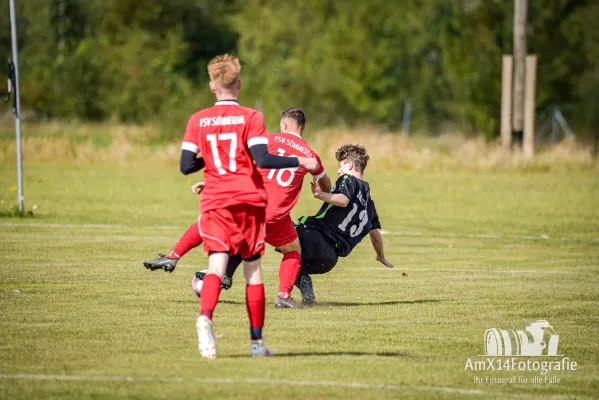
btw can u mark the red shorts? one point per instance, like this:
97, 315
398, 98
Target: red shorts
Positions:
280, 232
234, 229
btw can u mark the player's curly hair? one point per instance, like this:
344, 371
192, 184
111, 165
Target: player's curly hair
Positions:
355, 153
295, 114
224, 70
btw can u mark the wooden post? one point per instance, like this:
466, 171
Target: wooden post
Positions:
529, 106
506, 101
520, 8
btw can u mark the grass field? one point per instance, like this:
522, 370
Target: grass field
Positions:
81, 317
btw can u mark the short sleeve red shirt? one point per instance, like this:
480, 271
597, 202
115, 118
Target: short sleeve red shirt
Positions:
283, 186
222, 134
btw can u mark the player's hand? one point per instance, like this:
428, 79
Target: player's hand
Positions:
315, 188
384, 261
311, 164
197, 188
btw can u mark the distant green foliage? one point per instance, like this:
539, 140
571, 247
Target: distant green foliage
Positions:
116, 59
344, 62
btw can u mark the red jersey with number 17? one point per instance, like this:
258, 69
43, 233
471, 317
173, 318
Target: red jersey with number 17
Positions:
283, 186
223, 134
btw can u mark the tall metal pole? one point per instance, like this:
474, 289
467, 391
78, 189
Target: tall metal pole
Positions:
15, 57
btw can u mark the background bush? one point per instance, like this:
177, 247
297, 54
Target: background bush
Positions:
345, 62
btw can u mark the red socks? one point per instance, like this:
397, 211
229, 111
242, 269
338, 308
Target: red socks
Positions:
254, 298
288, 271
188, 241
256, 306
210, 293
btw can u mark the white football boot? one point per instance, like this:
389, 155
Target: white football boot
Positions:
206, 342
259, 349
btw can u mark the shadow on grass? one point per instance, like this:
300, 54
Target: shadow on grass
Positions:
330, 354
185, 301
350, 304
378, 303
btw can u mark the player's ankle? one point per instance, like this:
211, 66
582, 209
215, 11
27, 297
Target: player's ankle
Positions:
284, 295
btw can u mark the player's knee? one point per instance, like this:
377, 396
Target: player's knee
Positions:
255, 257
290, 247
252, 271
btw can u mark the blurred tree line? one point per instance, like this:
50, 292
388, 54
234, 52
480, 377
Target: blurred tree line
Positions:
344, 62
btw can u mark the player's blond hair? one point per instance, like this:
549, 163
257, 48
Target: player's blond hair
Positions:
224, 70
354, 153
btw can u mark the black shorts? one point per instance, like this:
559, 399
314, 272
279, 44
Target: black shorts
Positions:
319, 255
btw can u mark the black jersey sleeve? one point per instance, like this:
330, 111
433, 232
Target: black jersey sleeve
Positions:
264, 159
345, 185
190, 162
375, 223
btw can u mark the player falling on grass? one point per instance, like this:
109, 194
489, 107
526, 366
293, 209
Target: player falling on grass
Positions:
347, 215
230, 138
283, 187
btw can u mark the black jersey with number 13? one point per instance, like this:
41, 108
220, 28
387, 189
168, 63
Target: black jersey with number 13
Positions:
346, 226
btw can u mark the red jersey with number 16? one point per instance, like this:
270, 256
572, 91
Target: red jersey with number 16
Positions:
223, 134
284, 185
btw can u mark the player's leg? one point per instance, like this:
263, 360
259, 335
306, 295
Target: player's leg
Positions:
227, 280
282, 235
256, 304
190, 239
234, 263
217, 264
219, 232
250, 220
318, 257
288, 272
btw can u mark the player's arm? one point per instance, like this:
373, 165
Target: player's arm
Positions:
264, 159
320, 175
376, 238
340, 196
377, 243
325, 183
190, 162
336, 199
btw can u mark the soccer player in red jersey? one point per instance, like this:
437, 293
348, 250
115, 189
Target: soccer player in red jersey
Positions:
230, 138
283, 187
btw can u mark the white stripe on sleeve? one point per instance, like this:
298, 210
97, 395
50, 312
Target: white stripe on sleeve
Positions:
257, 140
323, 173
190, 146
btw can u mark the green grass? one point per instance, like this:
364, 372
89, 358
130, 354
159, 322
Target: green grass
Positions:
87, 308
